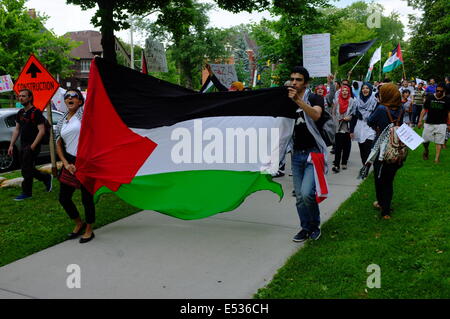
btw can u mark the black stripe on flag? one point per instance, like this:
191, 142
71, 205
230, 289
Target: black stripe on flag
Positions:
146, 102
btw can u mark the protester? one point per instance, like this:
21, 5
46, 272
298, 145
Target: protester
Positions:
431, 87
365, 104
417, 99
406, 86
387, 112
342, 109
307, 142
447, 85
407, 107
328, 95
30, 126
437, 122
67, 136
375, 86
355, 89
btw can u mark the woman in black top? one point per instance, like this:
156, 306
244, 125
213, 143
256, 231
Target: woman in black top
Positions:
390, 101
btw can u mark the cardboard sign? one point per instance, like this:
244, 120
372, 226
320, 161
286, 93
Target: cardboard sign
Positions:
35, 77
226, 73
156, 56
6, 84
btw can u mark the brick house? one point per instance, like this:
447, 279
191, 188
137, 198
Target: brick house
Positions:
83, 55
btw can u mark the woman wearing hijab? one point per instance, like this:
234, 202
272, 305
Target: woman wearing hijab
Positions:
390, 110
343, 109
328, 96
365, 104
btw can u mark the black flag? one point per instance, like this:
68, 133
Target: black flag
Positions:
348, 51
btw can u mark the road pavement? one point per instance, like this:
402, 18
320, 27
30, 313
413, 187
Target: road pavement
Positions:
151, 255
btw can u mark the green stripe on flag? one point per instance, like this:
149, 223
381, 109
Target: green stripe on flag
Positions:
193, 194
392, 66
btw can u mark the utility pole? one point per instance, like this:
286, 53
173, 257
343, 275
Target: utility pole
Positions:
131, 42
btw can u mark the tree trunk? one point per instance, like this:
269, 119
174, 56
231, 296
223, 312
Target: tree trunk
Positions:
107, 29
186, 74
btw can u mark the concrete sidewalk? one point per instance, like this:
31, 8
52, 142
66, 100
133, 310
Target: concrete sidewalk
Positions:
150, 255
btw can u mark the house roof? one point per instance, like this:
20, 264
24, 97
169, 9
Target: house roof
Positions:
91, 44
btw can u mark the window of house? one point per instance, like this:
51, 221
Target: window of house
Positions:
85, 65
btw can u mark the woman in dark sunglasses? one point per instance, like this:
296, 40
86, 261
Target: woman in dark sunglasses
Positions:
67, 136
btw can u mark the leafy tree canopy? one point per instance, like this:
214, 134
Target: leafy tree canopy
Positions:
22, 35
113, 15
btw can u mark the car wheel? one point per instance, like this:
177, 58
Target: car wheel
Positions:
7, 162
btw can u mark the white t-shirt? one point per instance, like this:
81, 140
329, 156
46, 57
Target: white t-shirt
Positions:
70, 133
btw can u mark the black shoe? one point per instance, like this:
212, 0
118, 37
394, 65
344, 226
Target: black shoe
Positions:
363, 172
278, 174
301, 236
48, 183
335, 169
293, 193
78, 233
315, 234
85, 240
22, 197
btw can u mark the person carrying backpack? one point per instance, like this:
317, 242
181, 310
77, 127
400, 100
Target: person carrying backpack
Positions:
30, 125
388, 152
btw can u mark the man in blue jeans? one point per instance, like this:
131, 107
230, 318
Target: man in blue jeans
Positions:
306, 139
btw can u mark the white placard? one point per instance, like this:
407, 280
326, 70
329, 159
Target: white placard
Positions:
6, 84
316, 54
226, 73
156, 56
409, 137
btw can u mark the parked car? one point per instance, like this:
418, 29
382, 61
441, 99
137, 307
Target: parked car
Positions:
7, 125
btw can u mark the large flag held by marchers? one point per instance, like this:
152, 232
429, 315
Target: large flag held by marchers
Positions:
394, 61
348, 51
162, 147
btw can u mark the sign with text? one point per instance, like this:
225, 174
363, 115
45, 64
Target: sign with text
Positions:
316, 54
6, 84
35, 77
409, 137
226, 73
156, 56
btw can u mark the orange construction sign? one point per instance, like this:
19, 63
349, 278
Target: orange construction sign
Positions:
35, 77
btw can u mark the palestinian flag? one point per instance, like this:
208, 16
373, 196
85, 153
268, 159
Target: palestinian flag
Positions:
394, 61
162, 147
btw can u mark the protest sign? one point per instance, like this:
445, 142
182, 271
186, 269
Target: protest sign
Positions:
156, 56
316, 54
226, 73
6, 84
409, 137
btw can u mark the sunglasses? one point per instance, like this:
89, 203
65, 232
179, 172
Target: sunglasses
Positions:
72, 95
297, 79
440, 91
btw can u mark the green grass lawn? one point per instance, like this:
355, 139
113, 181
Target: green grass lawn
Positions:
32, 225
412, 248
